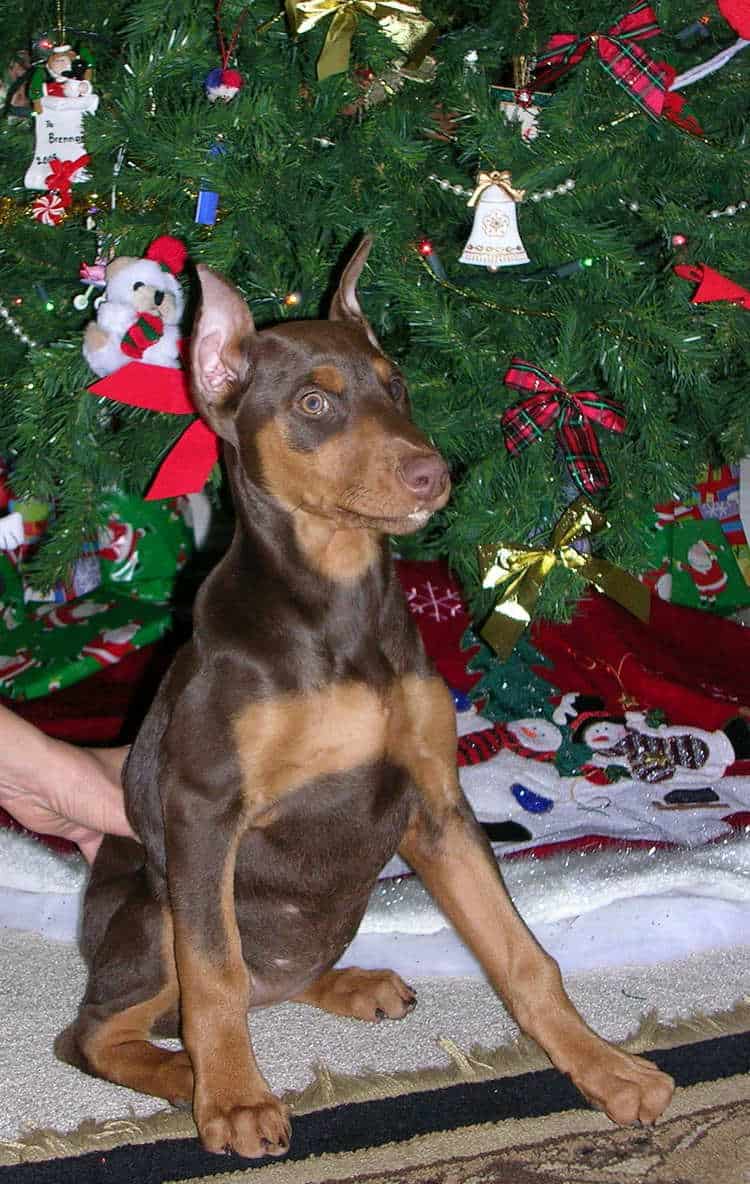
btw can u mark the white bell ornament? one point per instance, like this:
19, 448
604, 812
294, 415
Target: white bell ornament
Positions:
494, 241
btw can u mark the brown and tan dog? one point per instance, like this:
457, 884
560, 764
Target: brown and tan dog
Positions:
298, 741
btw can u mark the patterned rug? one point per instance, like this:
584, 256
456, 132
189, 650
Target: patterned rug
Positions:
497, 1118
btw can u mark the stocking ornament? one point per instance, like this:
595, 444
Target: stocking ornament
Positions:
494, 241
61, 93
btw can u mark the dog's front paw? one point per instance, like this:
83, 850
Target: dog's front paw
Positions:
253, 1129
628, 1088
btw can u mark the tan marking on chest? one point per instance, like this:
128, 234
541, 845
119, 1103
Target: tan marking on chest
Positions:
285, 742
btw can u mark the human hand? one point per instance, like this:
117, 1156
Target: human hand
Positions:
55, 788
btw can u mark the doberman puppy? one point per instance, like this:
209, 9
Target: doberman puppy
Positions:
298, 741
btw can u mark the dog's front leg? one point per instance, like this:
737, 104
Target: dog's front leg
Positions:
447, 848
232, 1105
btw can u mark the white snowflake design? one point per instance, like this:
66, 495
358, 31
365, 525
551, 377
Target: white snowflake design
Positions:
428, 599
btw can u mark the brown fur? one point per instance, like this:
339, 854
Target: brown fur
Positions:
299, 740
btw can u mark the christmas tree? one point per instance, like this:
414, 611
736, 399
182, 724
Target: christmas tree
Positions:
596, 178
508, 690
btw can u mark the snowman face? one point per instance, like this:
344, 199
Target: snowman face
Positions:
539, 735
603, 734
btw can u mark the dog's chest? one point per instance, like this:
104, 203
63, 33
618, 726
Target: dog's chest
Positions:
288, 741
305, 871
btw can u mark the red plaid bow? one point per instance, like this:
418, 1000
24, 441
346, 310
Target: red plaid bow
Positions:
646, 81
572, 414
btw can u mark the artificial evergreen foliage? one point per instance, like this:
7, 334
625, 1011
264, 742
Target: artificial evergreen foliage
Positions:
299, 180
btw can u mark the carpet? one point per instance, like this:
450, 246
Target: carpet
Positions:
504, 1118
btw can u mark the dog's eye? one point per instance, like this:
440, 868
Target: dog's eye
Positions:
396, 388
313, 403
137, 285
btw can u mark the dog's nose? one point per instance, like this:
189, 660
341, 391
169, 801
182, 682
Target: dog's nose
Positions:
426, 476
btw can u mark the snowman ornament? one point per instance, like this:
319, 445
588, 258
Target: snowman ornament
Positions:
61, 94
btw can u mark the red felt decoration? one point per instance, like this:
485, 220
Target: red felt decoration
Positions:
186, 467
737, 14
712, 285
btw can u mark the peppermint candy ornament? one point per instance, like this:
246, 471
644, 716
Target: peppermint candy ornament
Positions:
49, 209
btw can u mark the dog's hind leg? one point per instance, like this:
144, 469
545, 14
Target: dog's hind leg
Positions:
363, 994
132, 989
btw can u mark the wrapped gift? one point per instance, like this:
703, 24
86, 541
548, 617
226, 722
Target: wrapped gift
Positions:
60, 645
63, 638
700, 553
142, 546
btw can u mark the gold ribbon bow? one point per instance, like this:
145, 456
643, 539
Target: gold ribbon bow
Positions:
402, 23
520, 573
502, 180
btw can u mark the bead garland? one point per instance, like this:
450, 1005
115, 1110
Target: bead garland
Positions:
543, 195
14, 326
729, 211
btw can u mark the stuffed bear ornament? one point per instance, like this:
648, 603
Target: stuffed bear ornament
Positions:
138, 319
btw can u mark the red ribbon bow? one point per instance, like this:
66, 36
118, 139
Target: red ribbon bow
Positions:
645, 80
712, 285
572, 413
187, 465
60, 177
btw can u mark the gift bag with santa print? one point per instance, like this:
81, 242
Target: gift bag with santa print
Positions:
685, 564
704, 570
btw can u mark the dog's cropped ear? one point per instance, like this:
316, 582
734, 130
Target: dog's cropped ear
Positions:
345, 304
220, 365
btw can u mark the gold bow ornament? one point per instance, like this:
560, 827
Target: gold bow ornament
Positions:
520, 572
502, 180
402, 23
